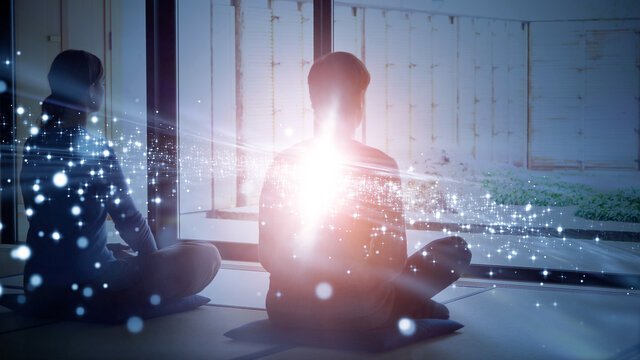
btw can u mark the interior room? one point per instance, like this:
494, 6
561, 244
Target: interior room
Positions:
514, 125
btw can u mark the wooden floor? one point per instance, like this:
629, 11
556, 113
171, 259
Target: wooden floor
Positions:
502, 321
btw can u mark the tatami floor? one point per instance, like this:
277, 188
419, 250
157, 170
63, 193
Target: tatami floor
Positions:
503, 320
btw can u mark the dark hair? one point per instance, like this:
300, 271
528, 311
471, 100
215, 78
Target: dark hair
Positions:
71, 75
337, 79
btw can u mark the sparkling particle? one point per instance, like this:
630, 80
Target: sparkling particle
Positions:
22, 252
527, 208
94, 119
154, 299
0, 289
75, 210
545, 272
29, 211
559, 229
3, 86
324, 291
39, 199
34, 130
60, 179
406, 326
87, 292
45, 117
20, 110
36, 187
105, 153
135, 324
80, 311
74, 287
35, 280
97, 265
55, 235
82, 242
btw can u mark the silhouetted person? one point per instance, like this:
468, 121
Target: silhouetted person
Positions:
71, 180
332, 232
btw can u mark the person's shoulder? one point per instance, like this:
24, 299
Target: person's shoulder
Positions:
293, 152
373, 156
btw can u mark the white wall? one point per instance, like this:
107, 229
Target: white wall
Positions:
526, 10
585, 85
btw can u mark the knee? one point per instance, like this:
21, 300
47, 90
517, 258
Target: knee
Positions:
204, 256
455, 246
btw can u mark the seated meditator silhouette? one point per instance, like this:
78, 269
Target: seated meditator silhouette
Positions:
71, 180
331, 223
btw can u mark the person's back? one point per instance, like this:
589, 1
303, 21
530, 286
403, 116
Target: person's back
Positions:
331, 234
70, 180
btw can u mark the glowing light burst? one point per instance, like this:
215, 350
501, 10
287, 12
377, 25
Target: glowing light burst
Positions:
324, 291
135, 324
22, 252
406, 326
318, 181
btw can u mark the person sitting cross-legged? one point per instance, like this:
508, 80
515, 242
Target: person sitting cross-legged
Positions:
331, 222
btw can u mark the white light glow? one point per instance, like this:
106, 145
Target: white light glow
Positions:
406, 326
324, 291
60, 179
22, 252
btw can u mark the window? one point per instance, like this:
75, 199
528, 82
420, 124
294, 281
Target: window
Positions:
518, 136
112, 30
243, 96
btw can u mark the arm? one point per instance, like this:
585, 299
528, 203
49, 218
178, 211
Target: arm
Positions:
272, 222
388, 245
129, 222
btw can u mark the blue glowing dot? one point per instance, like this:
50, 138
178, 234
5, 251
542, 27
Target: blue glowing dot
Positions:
35, 280
87, 292
135, 324
154, 299
83, 242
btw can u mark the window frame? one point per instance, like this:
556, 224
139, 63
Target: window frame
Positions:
8, 155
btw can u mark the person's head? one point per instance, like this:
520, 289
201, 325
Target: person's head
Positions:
337, 84
76, 79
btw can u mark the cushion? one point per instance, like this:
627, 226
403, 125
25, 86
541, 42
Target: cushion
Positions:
103, 313
375, 340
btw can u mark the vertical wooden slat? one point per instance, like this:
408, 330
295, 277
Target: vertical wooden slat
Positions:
443, 89
194, 101
500, 92
420, 101
375, 36
466, 88
483, 95
223, 88
398, 87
